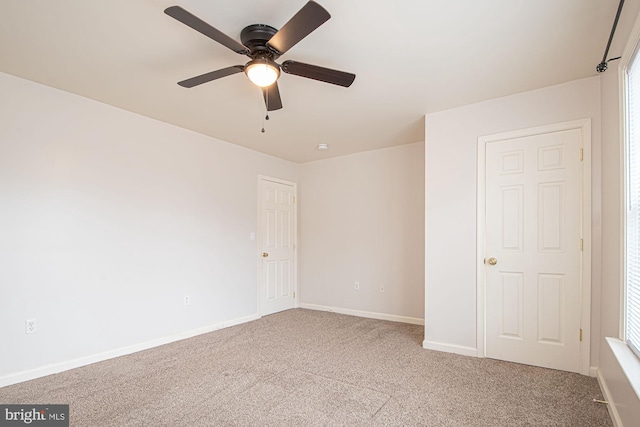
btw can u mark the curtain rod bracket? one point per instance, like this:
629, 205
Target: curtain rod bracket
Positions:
602, 67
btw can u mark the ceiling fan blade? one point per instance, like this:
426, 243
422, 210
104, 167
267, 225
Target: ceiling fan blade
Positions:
207, 77
322, 74
310, 17
199, 25
272, 97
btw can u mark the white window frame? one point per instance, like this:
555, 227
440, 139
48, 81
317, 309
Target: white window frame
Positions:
633, 59
626, 357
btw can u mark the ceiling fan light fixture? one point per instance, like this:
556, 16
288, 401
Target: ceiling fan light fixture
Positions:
264, 44
262, 72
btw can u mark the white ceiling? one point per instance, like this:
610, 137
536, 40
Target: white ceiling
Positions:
411, 57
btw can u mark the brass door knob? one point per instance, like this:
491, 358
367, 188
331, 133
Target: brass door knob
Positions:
264, 254
492, 261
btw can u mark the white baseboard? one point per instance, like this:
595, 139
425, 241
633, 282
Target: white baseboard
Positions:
593, 371
450, 348
238, 321
123, 351
367, 314
613, 411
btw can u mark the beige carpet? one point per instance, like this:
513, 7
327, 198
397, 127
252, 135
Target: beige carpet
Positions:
302, 367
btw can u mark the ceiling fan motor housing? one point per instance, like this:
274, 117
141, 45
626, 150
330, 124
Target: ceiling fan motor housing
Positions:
255, 37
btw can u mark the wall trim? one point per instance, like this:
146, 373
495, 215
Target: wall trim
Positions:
450, 348
613, 411
367, 314
55, 368
628, 361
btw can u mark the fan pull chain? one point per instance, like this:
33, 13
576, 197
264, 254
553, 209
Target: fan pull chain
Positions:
267, 102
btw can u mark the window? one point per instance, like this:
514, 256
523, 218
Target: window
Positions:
632, 225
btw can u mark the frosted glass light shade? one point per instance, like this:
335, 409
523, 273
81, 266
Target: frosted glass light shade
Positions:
262, 73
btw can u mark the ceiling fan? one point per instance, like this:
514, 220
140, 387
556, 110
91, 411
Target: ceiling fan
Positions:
264, 44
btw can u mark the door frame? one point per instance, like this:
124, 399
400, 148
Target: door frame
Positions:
584, 126
261, 179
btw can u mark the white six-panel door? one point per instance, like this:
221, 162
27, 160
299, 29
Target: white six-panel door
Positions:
277, 241
533, 249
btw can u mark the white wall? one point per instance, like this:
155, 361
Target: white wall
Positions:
362, 220
108, 218
450, 214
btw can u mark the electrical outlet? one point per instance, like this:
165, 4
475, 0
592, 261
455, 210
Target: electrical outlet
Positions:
381, 288
356, 286
187, 300
31, 326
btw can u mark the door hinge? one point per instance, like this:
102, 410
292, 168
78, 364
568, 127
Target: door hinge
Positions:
581, 245
581, 154
294, 199
581, 334
294, 295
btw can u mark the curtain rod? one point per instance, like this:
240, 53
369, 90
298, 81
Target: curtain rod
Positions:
602, 66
